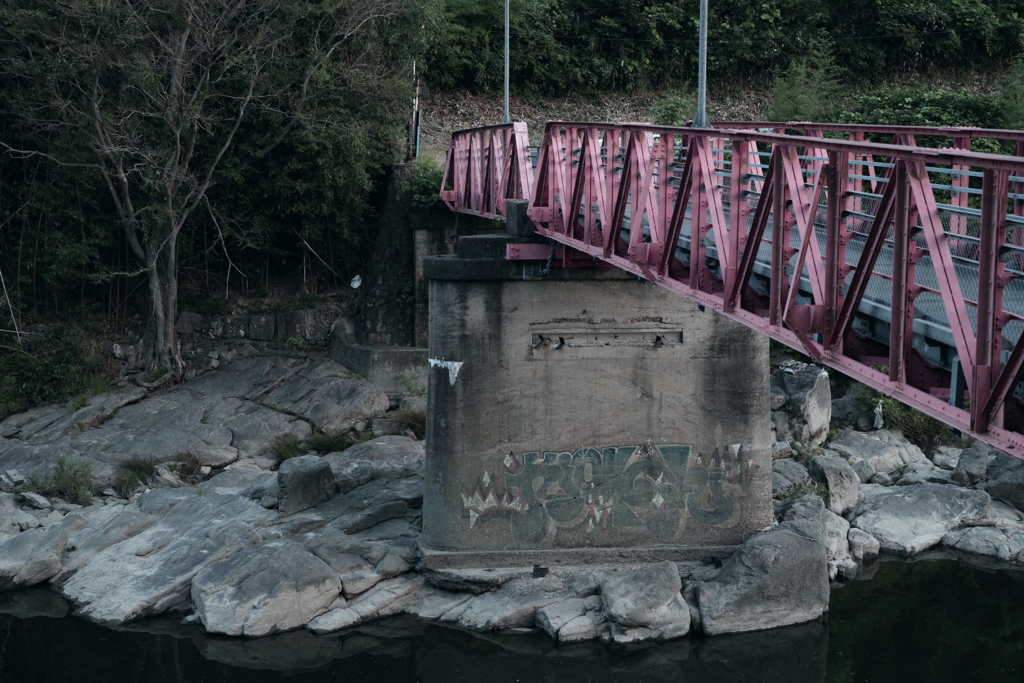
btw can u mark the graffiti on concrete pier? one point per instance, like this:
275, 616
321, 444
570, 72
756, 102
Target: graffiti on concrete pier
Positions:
657, 487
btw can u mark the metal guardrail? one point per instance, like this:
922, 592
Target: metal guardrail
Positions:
862, 219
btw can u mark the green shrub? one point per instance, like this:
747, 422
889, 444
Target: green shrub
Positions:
924, 431
424, 186
64, 367
285, 447
675, 109
73, 481
806, 90
932, 106
331, 441
136, 470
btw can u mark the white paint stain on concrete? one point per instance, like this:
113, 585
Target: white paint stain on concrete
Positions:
452, 366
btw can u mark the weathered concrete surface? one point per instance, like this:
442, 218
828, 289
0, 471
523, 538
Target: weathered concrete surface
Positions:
586, 426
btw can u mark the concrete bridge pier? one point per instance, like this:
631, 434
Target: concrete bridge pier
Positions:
583, 416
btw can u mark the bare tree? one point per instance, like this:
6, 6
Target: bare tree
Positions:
163, 92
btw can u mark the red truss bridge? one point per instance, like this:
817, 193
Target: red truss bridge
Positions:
900, 266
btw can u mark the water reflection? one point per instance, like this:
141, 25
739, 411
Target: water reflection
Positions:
926, 621
41, 650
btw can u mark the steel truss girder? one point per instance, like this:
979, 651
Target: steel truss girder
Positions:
622, 193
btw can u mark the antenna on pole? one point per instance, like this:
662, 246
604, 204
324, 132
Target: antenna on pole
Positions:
507, 118
700, 119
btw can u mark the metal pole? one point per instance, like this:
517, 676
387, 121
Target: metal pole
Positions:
700, 119
507, 118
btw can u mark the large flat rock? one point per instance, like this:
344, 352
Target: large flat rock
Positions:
266, 588
907, 520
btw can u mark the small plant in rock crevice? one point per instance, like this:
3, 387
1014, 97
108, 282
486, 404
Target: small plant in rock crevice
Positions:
285, 447
74, 481
798, 491
413, 420
138, 470
331, 441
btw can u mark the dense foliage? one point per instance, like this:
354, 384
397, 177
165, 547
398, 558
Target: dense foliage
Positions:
568, 46
304, 101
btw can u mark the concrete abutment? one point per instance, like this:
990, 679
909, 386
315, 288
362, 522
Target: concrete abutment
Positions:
583, 416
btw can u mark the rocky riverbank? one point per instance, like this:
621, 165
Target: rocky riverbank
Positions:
328, 541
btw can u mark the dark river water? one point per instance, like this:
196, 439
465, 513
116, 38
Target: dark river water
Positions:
924, 621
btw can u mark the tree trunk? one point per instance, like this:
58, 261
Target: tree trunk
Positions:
160, 355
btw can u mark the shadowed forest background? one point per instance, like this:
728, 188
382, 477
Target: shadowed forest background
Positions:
233, 157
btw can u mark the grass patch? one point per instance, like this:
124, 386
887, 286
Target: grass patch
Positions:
72, 481
413, 420
332, 441
924, 431
133, 472
285, 447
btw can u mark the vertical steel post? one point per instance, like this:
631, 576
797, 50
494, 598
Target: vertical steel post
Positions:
507, 118
902, 310
700, 120
992, 232
780, 238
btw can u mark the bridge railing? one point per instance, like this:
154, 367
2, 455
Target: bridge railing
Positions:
876, 265
485, 167
957, 137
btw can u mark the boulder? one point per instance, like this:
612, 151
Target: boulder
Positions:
867, 454
849, 408
793, 471
514, 605
434, 603
386, 599
907, 520
35, 501
648, 598
781, 449
386, 457
774, 579
304, 482
33, 602
1004, 479
322, 394
265, 588
151, 572
780, 485
1003, 544
31, 557
972, 467
809, 395
924, 473
585, 627
837, 547
863, 546
552, 618
946, 457
841, 480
